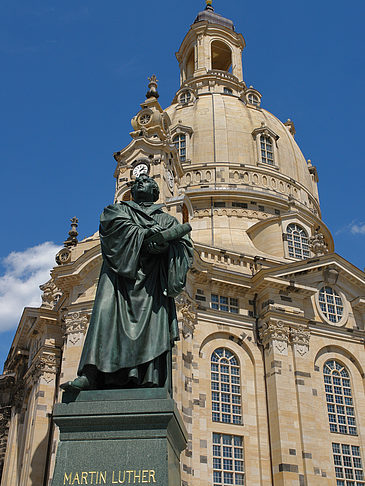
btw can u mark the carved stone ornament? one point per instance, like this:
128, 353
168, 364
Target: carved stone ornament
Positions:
75, 326
46, 367
5, 415
19, 395
51, 294
186, 309
317, 244
276, 335
300, 337
63, 256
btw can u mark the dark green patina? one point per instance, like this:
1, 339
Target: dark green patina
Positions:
119, 437
133, 324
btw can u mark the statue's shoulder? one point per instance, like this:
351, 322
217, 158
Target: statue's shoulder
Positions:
114, 210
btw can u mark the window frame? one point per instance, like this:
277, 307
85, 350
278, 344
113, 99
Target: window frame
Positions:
307, 236
338, 402
218, 303
343, 321
264, 157
179, 147
229, 447
346, 473
226, 387
177, 131
189, 97
266, 131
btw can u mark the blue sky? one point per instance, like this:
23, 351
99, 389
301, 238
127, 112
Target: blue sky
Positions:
74, 72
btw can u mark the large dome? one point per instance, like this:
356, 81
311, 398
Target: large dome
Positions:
225, 130
246, 178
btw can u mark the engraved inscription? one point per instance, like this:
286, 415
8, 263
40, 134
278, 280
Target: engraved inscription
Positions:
130, 476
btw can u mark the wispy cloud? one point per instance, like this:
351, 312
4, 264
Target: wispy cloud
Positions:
19, 284
358, 229
355, 228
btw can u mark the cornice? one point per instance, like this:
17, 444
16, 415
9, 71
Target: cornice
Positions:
346, 269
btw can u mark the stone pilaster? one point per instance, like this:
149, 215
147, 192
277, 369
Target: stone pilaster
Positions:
183, 376
285, 437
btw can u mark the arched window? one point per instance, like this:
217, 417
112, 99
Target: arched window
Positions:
340, 406
253, 99
190, 65
226, 389
185, 97
180, 144
267, 150
221, 56
297, 241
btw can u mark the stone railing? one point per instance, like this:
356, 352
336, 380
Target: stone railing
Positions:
243, 263
223, 74
222, 175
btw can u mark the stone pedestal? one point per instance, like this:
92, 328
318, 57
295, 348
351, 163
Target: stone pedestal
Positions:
119, 437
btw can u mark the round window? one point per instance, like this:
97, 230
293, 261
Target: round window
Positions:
185, 97
331, 304
253, 99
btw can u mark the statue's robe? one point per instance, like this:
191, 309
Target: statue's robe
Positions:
133, 324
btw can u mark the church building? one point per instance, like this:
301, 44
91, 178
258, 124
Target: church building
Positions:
269, 371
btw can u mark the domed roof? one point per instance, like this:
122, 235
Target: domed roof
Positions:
208, 15
226, 130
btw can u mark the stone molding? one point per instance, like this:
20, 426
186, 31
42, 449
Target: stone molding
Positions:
186, 309
220, 175
5, 415
277, 335
318, 244
232, 212
299, 337
75, 326
51, 294
45, 367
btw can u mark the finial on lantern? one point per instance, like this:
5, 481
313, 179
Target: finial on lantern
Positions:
72, 239
209, 5
152, 87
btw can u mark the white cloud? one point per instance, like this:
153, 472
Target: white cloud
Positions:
24, 272
357, 229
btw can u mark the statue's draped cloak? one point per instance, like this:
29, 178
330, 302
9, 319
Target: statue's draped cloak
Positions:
134, 317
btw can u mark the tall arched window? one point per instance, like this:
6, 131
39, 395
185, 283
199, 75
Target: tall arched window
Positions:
340, 406
190, 65
180, 144
267, 150
226, 389
221, 56
298, 244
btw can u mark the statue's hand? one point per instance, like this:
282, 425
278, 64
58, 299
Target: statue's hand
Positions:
155, 248
152, 231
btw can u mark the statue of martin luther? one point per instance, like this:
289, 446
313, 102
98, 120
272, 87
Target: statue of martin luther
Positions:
146, 256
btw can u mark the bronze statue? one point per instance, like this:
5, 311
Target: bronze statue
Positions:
146, 256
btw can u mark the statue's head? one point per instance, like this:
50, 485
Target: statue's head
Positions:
145, 189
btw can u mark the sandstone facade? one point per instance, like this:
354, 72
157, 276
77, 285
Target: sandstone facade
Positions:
269, 371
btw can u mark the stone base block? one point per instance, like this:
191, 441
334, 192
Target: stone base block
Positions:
119, 437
